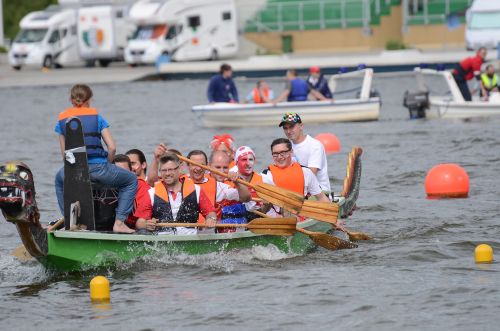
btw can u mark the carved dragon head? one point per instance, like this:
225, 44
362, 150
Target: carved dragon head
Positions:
17, 193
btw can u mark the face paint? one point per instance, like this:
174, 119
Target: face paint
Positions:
245, 164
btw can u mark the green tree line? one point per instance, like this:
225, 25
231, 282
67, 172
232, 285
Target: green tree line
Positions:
15, 10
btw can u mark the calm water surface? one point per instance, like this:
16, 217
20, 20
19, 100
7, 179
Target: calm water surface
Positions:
417, 273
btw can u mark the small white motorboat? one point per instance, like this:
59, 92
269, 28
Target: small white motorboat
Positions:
366, 107
452, 105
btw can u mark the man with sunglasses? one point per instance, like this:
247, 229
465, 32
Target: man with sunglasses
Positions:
178, 200
289, 174
308, 151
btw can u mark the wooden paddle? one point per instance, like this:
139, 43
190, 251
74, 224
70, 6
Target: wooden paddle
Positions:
267, 226
321, 239
278, 196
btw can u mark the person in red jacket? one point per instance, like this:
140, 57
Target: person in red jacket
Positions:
467, 69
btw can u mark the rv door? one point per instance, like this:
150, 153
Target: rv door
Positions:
54, 50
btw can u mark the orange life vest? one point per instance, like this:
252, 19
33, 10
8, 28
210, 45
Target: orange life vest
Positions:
188, 210
291, 178
210, 189
256, 180
256, 95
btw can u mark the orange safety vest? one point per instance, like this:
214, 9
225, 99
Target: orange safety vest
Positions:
210, 190
256, 95
256, 180
188, 210
291, 178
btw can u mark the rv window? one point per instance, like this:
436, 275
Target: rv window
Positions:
30, 35
64, 33
194, 21
173, 32
119, 14
54, 37
226, 16
485, 20
73, 30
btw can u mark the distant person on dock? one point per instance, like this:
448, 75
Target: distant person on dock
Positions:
318, 82
467, 69
176, 199
308, 151
489, 82
289, 174
296, 89
260, 93
221, 87
96, 129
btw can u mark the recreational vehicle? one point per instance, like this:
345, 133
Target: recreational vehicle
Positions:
47, 38
103, 33
185, 30
483, 25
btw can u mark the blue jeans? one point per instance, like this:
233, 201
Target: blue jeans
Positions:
110, 176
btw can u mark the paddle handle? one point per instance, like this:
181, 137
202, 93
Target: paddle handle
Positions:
215, 171
200, 225
256, 212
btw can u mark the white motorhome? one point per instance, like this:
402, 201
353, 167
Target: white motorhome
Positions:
185, 30
47, 38
483, 25
103, 33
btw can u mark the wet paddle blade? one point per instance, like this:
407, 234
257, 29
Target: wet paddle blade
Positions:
358, 236
331, 242
21, 254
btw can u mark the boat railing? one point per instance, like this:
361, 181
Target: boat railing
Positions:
448, 78
366, 86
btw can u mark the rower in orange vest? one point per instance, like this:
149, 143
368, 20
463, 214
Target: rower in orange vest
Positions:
288, 174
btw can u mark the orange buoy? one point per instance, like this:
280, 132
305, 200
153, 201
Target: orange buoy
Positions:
330, 142
447, 181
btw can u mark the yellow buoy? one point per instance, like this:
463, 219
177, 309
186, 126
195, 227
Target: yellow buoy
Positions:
483, 254
99, 289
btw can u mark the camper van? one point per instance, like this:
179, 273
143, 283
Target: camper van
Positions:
47, 38
483, 25
103, 33
184, 30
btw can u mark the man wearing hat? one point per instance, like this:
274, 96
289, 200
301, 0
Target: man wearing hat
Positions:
308, 151
318, 82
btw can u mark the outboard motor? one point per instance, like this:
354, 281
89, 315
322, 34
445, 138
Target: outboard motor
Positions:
417, 103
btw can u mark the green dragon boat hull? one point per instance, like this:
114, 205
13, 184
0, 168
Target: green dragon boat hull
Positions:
83, 250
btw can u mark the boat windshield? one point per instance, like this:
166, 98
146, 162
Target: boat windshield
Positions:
30, 35
146, 32
485, 20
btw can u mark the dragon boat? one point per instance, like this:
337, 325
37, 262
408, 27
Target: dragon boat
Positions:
67, 250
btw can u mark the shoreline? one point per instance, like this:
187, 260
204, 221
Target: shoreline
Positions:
255, 66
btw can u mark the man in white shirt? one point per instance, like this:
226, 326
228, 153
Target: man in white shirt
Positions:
308, 151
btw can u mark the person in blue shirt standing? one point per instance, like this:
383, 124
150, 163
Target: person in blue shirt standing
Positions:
221, 87
318, 82
297, 89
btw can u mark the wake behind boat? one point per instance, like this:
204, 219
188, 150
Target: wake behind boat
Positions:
366, 107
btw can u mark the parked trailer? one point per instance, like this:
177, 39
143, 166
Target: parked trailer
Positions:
103, 33
185, 30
